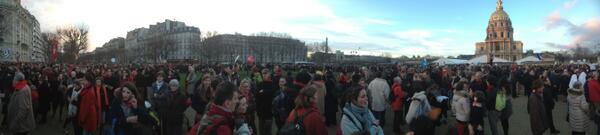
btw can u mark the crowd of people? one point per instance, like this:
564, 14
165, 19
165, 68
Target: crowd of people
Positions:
246, 99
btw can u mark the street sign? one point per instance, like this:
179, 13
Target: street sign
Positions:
6, 52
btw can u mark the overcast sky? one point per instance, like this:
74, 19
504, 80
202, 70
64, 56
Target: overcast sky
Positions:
399, 27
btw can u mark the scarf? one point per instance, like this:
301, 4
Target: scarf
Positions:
361, 114
20, 85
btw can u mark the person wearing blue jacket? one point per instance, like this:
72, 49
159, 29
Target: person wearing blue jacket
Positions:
357, 118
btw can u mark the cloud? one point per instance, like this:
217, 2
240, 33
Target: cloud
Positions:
555, 45
570, 4
245, 17
555, 20
585, 34
378, 21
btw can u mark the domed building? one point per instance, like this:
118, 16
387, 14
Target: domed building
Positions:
499, 39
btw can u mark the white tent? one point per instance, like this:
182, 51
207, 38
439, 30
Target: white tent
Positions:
446, 61
484, 59
528, 59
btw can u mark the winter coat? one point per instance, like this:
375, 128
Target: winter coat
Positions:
418, 107
158, 90
281, 106
537, 114
313, 122
578, 111
44, 97
191, 80
549, 97
321, 91
398, 97
331, 101
171, 107
575, 78
88, 109
379, 90
358, 120
461, 106
217, 120
119, 117
20, 111
264, 99
593, 87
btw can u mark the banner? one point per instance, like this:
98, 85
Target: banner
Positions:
54, 50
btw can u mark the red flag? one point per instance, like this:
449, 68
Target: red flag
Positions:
250, 59
54, 50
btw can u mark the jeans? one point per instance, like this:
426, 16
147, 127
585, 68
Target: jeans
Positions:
577, 133
493, 119
380, 116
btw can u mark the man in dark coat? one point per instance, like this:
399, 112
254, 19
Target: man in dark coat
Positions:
549, 101
264, 99
536, 109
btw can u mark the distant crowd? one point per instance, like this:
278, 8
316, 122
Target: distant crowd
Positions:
247, 99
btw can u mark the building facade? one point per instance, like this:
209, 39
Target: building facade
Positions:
499, 40
226, 48
111, 50
169, 40
20, 35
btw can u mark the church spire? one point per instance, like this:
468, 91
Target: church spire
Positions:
499, 5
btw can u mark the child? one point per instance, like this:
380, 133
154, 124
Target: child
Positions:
476, 116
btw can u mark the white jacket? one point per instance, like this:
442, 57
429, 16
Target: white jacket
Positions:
461, 106
578, 118
379, 91
575, 78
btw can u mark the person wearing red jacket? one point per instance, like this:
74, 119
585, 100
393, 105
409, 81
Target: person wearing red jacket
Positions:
88, 108
306, 103
219, 118
592, 93
593, 88
398, 95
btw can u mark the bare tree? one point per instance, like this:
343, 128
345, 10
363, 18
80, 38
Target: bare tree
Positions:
208, 34
159, 48
75, 41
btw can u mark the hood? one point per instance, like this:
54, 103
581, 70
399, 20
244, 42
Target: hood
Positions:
420, 95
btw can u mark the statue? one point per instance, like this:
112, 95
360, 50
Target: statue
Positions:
499, 5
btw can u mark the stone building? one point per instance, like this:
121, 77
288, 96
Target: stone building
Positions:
169, 40
225, 48
20, 35
499, 40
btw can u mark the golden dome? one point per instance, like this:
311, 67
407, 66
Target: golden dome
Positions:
499, 15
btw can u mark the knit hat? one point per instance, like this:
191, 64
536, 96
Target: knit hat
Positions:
19, 76
174, 82
577, 87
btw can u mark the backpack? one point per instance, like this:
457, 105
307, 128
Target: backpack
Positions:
210, 128
280, 107
296, 127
